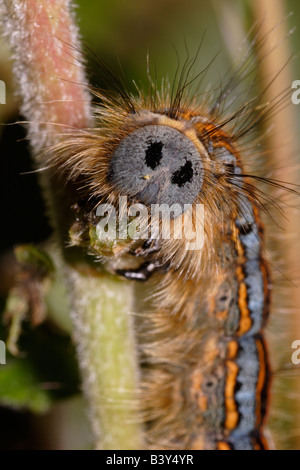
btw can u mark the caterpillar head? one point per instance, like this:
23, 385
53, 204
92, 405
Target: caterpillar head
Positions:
157, 164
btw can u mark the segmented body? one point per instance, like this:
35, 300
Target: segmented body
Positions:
203, 361
207, 373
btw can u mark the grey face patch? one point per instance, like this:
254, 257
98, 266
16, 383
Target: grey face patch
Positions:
158, 165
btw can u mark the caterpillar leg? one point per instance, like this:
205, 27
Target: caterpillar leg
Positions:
143, 273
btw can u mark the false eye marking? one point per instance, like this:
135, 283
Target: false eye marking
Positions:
154, 154
158, 164
183, 175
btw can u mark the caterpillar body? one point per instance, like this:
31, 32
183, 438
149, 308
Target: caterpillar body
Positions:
205, 373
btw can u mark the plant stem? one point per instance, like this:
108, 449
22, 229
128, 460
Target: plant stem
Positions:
50, 80
104, 335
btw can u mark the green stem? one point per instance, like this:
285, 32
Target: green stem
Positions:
53, 88
104, 335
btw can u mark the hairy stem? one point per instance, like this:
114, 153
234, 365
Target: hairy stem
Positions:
50, 79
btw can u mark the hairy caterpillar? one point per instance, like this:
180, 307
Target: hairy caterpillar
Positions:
207, 307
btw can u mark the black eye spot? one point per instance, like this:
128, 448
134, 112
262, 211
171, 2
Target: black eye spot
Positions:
183, 175
154, 154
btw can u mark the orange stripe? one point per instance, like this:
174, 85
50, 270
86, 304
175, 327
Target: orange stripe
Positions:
245, 318
202, 402
196, 391
231, 411
238, 245
260, 380
265, 275
256, 446
222, 445
245, 322
232, 349
265, 444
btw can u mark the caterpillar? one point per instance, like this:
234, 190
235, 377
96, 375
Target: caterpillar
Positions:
205, 373
204, 365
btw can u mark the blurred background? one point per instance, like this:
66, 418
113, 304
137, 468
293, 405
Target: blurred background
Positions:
41, 404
